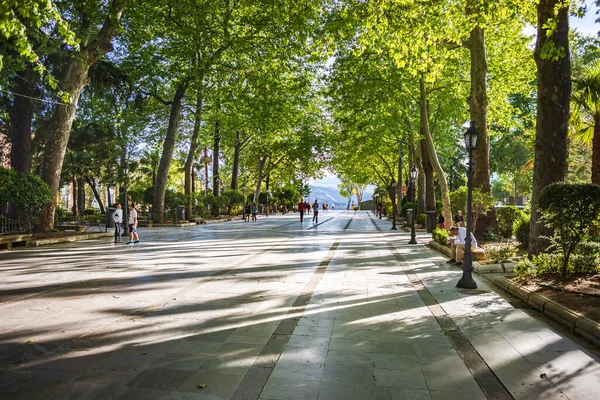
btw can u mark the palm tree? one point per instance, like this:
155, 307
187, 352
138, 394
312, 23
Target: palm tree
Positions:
586, 113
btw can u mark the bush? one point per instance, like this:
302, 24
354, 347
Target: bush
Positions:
422, 219
507, 216
482, 203
25, 191
439, 207
571, 210
440, 236
586, 258
500, 254
542, 264
61, 213
406, 206
521, 230
89, 211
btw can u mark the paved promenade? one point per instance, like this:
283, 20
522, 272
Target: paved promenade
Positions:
277, 310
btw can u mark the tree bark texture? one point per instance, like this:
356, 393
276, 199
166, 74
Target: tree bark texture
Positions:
205, 172
216, 177
554, 92
20, 119
596, 153
92, 182
74, 80
191, 157
478, 104
162, 175
237, 148
429, 182
80, 195
74, 207
399, 187
259, 176
435, 162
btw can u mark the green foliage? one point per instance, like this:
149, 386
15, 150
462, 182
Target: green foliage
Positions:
521, 229
405, 207
571, 210
422, 219
482, 203
27, 192
440, 236
232, 197
439, 207
89, 211
500, 254
586, 258
507, 216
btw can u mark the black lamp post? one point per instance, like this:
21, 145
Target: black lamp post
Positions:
125, 205
414, 173
393, 186
268, 192
244, 203
466, 281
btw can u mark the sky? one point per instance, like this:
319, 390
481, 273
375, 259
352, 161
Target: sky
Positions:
586, 25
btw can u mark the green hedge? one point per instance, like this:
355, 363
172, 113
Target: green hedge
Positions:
521, 230
507, 216
440, 235
422, 219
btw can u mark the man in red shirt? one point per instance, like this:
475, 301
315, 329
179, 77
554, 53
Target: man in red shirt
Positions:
302, 208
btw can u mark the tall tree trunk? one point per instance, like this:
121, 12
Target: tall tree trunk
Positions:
162, 175
435, 162
596, 152
205, 172
399, 179
554, 92
74, 80
74, 207
429, 182
191, 157
421, 180
237, 147
21, 116
259, 177
81, 195
109, 201
92, 182
216, 177
478, 104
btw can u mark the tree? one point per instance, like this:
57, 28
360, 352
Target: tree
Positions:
554, 92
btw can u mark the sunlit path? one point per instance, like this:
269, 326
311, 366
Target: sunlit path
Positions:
275, 309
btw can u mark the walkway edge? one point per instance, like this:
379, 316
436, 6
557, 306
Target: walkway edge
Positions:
569, 318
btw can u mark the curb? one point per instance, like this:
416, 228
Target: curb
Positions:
68, 239
572, 320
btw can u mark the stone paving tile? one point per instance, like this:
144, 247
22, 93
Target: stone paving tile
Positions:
279, 388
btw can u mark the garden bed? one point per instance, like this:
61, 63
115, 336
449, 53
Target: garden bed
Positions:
580, 293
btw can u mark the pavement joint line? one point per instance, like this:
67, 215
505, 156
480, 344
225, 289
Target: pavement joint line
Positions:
320, 223
376, 226
257, 376
487, 380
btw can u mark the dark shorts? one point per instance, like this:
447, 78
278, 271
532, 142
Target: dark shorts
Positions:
132, 229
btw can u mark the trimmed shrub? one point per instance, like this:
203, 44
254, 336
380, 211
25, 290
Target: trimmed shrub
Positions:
506, 217
570, 209
422, 219
406, 206
542, 264
586, 258
500, 254
521, 230
440, 236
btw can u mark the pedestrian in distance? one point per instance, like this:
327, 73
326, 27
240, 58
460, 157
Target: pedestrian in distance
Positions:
248, 212
302, 209
315, 208
459, 219
254, 211
133, 223
307, 207
118, 219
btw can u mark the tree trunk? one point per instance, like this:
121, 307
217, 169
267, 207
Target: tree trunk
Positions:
74, 207
596, 152
216, 177
21, 116
162, 175
259, 177
81, 195
191, 157
236, 161
399, 186
59, 129
554, 92
429, 182
439, 171
478, 104
109, 201
205, 172
92, 182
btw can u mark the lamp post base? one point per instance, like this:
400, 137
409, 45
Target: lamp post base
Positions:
412, 241
466, 281
394, 228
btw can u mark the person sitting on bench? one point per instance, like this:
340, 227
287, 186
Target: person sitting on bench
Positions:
457, 243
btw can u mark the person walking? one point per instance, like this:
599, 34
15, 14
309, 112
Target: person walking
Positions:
247, 212
118, 218
133, 223
254, 211
307, 207
315, 208
302, 209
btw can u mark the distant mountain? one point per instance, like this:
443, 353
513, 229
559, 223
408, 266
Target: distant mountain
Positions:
332, 196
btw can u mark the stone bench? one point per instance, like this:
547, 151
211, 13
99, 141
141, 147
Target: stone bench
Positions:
477, 252
16, 240
71, 227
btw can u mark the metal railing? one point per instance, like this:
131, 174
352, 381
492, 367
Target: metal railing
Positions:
8, 225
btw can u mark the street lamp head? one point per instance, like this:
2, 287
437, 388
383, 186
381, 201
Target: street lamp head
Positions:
471, 137
414, 173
